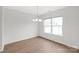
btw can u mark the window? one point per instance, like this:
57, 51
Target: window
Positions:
54, 26
57, 26
47, 26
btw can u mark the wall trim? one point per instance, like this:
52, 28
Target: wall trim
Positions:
71, 48
16, 41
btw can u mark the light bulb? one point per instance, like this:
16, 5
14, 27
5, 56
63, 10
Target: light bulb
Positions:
36, 19
40, 20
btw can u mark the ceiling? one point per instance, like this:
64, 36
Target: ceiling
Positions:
33, 9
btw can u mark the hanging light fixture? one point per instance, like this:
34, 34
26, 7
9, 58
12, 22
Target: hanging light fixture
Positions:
37, 18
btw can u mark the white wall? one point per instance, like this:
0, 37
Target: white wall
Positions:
0, 28
70, 26
17, 26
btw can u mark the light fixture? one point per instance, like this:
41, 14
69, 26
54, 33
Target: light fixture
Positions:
37, 18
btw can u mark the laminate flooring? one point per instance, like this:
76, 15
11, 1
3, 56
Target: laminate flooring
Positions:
37, 45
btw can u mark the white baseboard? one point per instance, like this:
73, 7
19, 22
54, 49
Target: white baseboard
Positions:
16, 41
19, 40
64, 43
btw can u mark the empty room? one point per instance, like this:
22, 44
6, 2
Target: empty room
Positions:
39, 29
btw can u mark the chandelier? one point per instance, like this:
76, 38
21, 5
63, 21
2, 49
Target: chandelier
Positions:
37, 18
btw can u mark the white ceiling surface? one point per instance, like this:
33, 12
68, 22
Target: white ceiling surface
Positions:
33, 9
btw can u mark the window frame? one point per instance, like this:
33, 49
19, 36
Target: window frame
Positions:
55, 26
47, 26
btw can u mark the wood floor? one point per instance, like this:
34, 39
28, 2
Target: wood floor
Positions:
36, 45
